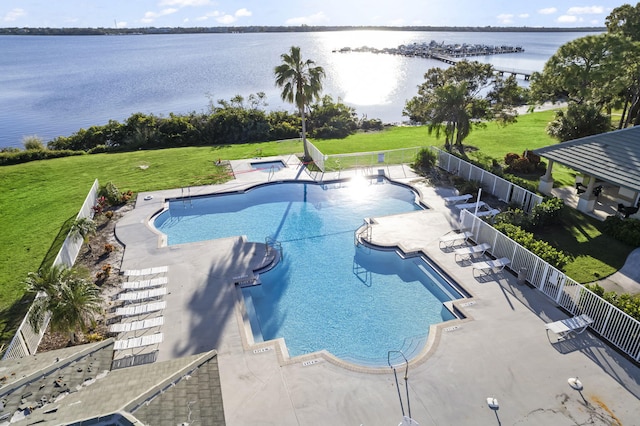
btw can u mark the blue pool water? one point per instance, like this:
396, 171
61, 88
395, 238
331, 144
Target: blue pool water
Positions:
325, 293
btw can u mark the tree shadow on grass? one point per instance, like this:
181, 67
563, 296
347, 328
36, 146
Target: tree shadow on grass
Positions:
56, 245
11, 317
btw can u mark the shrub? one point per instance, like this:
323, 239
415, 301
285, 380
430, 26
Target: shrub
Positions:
111, 192
425, 160
542, 249
629, 304
625, 230
545, 212
33, 143
510, 158
108, 248
18, 157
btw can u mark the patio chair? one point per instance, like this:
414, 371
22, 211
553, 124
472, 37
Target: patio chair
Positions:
456, 198
491, 212
471, 250
467, 206
451, 239
565, 327
488, 266
580, 188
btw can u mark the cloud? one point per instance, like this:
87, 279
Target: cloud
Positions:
14, 14
121, 24
505, 18
547, 11
242, 13
225, 18
184, 3
315, 19
396, 22
152, 16
568, 19
587, 10
523, 16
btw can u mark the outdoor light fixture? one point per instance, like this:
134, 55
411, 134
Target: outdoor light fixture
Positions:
493, 403
575, 383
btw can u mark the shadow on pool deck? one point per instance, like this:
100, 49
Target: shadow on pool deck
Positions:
501, 350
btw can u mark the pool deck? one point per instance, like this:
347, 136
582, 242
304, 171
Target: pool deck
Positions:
500, 350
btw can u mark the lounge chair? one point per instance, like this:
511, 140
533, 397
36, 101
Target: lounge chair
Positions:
124, 327
139, 285
456, 198
471, 250
468, 206
564, 327
491, 212
487, 266
144, 294
147, 271
141, 309
137, 342
452, 238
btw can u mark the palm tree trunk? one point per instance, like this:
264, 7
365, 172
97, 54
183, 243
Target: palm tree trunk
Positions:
307, 156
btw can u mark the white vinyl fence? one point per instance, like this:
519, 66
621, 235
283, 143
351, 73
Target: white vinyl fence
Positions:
495, 185
612, 324
316, 155
26, 340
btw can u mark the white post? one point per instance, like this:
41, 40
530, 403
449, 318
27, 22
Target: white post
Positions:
475, 213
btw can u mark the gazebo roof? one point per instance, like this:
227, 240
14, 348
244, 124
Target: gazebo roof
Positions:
612, 157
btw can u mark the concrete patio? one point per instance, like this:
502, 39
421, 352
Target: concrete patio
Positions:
499, 350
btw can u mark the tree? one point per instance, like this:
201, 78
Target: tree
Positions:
301, 83
580, 120
592, 69
83, 227
625, 21
71, 299
453, 100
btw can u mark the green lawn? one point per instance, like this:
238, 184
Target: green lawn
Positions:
38, 200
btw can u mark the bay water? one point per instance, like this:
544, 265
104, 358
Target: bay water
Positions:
54, 85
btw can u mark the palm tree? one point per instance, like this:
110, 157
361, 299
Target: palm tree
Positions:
301, 82
83, 227
71, 300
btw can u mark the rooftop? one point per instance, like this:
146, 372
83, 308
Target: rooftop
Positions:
612, 157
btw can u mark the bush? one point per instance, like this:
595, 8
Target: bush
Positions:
546, 212
629, 304
33, 143
542, 249
111, 192
425, 160
18, 157
625, 230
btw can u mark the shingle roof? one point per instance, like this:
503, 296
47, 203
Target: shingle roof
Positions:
80, 388
612, 157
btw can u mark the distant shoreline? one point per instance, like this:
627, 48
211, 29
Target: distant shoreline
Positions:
277, 29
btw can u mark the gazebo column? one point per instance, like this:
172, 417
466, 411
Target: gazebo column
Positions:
587, 201
546, 182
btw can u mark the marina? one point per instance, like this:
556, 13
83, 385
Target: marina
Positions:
447, 53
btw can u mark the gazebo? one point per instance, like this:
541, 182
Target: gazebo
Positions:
610, 160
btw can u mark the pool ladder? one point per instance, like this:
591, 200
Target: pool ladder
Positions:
363, 233
406, 417
186, 198
272, 243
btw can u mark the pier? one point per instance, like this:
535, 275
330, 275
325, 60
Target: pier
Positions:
448, 53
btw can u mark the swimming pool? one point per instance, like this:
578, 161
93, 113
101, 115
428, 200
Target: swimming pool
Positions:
326, 292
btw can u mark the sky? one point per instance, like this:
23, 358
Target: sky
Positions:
211, 13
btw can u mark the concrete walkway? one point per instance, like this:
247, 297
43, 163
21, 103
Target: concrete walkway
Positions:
499, 350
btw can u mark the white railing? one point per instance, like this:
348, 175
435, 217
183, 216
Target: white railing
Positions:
26, 340
614, 325
495, 185
338, 162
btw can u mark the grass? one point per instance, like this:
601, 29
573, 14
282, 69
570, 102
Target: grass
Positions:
39, 200
580, 237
